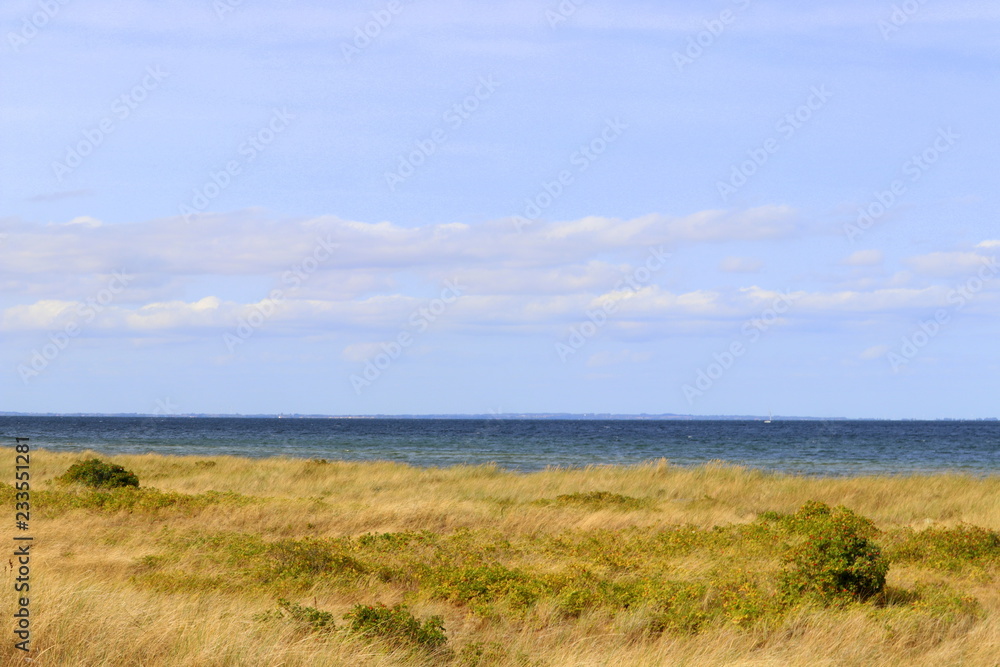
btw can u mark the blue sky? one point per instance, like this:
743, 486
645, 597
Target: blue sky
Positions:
446, 207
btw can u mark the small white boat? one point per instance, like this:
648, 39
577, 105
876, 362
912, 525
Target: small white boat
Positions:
769, 415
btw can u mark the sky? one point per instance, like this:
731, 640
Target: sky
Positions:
419, 206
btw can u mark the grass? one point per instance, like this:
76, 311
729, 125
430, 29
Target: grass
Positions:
227, 561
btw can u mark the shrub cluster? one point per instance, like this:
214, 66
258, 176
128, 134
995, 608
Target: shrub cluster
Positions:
754, 575
396, 626
955, 548
97, 474
314, 619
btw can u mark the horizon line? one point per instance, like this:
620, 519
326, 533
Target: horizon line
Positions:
666, 416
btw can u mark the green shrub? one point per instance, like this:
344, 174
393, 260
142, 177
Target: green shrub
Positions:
679, 605
310, 618
744, 601
835, 557
482, 585
387, 542
396, 626
574, 601
307, 558
99, 475
948, 548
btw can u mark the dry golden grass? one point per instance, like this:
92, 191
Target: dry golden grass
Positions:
94, 602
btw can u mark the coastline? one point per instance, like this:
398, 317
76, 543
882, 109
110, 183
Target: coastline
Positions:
830, 448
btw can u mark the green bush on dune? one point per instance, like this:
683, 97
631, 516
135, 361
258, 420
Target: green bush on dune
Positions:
97, 474
396, 626
835, 557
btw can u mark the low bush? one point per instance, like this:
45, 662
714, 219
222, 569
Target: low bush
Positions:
309, 618
307, 558
835, 557
98, 474
483, 585
953, 548
396, 626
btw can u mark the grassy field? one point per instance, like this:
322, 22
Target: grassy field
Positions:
226, 561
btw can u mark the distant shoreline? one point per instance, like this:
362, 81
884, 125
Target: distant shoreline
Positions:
824, 447
541, 416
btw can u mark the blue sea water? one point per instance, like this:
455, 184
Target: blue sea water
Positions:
828, 448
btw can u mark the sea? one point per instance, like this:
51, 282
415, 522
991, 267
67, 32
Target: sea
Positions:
808, 447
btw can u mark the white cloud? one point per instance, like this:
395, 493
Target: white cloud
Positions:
945, 264
864, 258
764, 222
369, 278
639, 312
84, 221
244, 243
41, 315
874, 352
880, 300
207, 312
740, 265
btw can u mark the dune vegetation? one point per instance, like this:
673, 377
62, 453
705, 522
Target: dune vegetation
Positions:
228, 561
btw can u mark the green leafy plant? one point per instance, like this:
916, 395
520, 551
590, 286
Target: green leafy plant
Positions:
98, 474
307, 558
480, 585
574, 601
310, 618
835, 557
952, 548
396, 626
